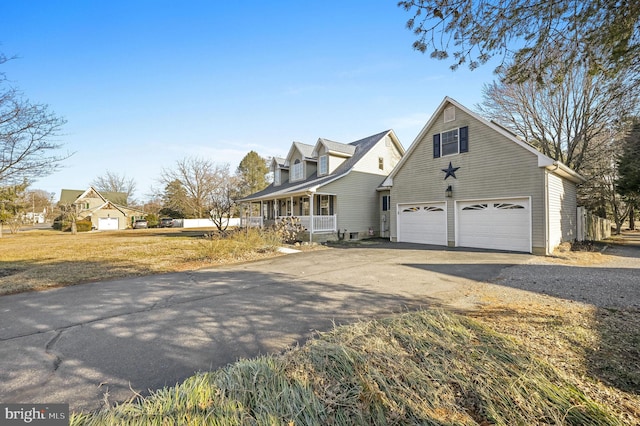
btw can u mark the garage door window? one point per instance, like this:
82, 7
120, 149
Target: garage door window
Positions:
508, 206
475, 207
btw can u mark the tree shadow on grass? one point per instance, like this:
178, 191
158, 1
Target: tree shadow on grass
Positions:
614, 358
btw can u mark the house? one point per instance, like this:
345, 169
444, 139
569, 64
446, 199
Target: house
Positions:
468, 182
104, 209
330, 186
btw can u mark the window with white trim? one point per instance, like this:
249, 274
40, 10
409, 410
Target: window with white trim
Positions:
386, 203
451, 142
324, 205
323, 165
381, 163
276, 177
297, 171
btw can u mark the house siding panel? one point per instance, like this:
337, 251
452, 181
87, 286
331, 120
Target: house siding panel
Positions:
494, 167
562, 210
356, 195
385, 149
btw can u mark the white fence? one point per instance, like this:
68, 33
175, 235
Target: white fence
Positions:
592, 227
207, 223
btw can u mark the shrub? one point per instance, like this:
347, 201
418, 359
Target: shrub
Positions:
236, 245
84, 225
288, 229
152, 220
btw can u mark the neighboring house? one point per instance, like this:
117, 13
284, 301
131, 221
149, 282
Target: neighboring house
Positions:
330, 186
468, 182
103, 209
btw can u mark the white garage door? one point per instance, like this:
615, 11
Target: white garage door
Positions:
107, 223
494, 224
424, 223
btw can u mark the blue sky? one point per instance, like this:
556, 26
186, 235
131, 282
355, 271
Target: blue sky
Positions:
145, 83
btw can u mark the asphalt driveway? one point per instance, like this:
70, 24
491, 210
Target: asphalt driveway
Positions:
104, 341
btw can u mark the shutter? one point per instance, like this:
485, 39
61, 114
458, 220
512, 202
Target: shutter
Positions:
436, 146
331, 205
464, 139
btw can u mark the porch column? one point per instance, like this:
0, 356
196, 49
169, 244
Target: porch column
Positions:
291, 212
311, 196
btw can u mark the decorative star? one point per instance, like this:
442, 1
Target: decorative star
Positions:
450, 171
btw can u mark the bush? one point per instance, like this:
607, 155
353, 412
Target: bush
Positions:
236, 244
152, 220
288, 229
84, 225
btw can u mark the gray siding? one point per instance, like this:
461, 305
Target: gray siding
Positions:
494, 167
356, 202
562, 211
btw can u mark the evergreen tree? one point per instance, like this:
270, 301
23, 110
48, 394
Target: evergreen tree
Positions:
252, 172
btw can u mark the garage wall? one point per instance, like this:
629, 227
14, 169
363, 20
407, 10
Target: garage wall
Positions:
122, 220
494, 167
562, 210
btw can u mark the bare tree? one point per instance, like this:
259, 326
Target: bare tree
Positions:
28, 137
565, 113
601, 193
222, 198
113, 182
199, 178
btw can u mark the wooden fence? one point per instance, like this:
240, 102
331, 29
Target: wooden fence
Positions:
592, 227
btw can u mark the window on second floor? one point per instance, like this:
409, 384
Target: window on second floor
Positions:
323, 165
451, 142
276, 177
297, 171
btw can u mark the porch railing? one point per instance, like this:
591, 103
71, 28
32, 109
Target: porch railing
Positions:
320, 223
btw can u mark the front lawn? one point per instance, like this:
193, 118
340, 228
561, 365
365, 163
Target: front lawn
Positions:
35, 260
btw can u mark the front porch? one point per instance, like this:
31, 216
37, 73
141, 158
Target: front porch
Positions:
315, 212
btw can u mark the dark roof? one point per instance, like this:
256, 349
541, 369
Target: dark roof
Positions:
69, 196
342, 148
361, 147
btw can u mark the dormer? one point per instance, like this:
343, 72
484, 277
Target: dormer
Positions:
331, 155
280, 170
301, 162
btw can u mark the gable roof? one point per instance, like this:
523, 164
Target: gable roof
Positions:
302, 148
69, 196
335, 148
279, 162
360, 149
543, 161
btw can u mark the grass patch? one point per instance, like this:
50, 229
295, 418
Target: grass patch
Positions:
428, 367
37, 260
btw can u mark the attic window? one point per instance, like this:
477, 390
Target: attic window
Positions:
276, 177
323, 168
381, 163
297, 171
449, 114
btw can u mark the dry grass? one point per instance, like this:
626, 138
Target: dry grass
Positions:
429, 367
36, 260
